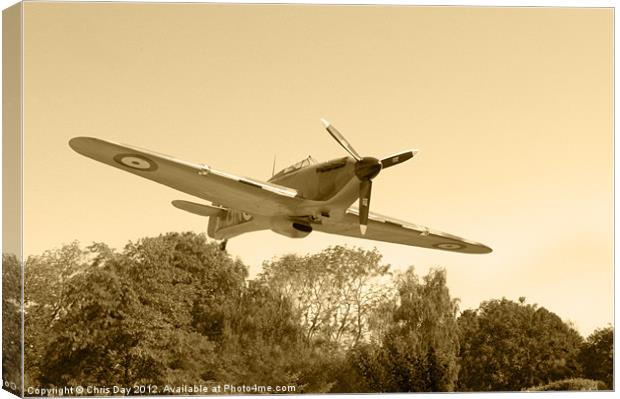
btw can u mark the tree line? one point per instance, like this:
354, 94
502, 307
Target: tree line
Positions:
175, 310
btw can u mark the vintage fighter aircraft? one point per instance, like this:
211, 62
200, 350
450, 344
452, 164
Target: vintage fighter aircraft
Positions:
304, 197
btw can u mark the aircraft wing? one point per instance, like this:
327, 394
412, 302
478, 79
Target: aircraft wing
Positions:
202, 181
383, 228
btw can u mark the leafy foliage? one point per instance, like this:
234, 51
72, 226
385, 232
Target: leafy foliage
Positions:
176, 310
507, 346
597, 356
11, 322
418, 352
334, 292
257, 339
47, 280
126, 318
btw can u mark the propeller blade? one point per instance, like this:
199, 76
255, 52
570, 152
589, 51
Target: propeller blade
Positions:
364, 205
398, 158
341, 140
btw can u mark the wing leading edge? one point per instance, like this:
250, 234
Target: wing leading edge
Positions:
383, 228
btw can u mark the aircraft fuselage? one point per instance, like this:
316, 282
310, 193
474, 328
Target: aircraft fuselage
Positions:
333, 182
319, 182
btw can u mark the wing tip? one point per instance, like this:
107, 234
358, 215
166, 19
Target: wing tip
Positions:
486, 250
465, 248
80, 143
325, 122
479, 249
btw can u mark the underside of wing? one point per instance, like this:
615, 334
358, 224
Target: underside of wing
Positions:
198, 180
383, 228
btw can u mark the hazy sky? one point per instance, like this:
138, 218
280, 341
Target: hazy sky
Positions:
512, 110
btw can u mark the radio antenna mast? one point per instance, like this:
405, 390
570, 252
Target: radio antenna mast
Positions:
273, 168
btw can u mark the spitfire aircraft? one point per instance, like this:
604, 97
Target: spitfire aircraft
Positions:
301, 198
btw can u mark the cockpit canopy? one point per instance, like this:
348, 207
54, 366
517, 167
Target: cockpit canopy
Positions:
301, 164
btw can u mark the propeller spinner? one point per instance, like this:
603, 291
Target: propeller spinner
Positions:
366, 169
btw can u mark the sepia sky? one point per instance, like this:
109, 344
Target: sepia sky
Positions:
511, 108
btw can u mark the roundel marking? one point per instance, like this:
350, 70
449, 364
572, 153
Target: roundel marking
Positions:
449, 246
136, 161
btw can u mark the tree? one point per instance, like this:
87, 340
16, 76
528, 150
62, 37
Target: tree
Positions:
258, 340
596, 356
508, 346
11, 322
45, 297
419, 349
334, 292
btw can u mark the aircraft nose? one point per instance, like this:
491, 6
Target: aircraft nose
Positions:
367, 168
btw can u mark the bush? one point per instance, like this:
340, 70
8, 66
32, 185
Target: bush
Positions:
572, 384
